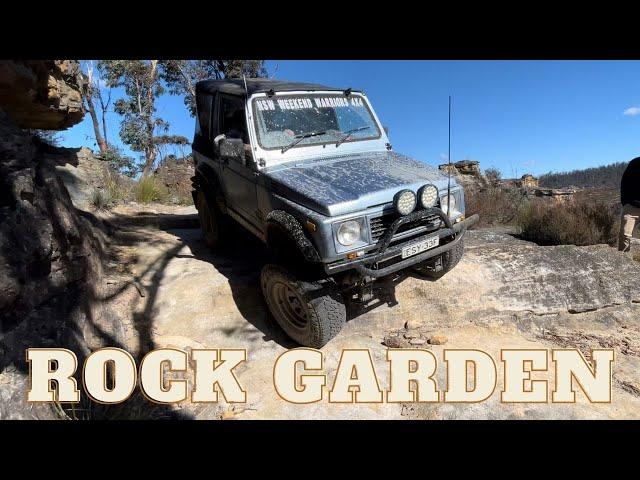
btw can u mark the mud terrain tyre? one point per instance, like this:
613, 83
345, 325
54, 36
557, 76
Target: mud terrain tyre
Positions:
210, 222
449, 260
310, 313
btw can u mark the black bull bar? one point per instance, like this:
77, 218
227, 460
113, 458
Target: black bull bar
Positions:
383, 252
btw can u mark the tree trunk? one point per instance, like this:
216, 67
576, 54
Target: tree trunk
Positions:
104, 128
102, 145
150, 158
150, 151
103, 108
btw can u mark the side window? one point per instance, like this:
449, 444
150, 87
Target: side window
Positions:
203, 105
233, 123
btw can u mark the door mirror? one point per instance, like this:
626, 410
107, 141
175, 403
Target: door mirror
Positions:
216, 141
231, 149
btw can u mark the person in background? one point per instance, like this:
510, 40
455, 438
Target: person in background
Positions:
630, 197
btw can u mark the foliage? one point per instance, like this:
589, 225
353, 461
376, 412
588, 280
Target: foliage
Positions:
120, 163
149, 189
93, 91
141, 83
608, 176
181, 76
172, 140
574, 222
493, 174
48, 137
166, 143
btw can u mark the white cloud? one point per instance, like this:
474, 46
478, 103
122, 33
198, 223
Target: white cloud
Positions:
632, 111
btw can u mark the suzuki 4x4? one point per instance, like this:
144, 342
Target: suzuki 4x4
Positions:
309, 170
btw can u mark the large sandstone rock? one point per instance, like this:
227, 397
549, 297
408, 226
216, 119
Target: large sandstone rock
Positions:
505, 293
53, 290
42, 94
46, 246
51, 253
463, 167
528, 181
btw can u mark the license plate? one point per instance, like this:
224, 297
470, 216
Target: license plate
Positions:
420, 247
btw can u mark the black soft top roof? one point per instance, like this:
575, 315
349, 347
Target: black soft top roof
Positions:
256, 85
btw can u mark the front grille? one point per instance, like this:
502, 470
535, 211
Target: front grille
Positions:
379, 225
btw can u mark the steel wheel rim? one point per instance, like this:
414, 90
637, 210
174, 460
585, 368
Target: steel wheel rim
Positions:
290, 306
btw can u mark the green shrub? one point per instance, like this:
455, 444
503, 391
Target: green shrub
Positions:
149, 189
101, 199
120, 163
574, 222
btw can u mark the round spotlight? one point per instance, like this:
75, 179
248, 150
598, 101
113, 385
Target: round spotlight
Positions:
348, 233
428, 196
405, 202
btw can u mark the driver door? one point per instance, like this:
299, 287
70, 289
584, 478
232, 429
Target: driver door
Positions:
239, 178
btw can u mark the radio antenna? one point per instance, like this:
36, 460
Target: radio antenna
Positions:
246, 90
449, 167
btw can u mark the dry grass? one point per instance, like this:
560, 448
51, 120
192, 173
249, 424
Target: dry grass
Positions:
116, 186
149, 189
496, 206
575, 222
584, 220
101, 199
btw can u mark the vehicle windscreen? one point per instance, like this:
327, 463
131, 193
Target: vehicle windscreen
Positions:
291, 121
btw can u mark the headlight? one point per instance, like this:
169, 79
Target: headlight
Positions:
456, 208
428, 196
452, 206
405, 202
349, 233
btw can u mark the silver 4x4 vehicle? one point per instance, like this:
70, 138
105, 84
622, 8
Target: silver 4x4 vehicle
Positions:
309, 170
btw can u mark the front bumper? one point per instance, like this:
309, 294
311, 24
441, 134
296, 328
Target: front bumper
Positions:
368, 265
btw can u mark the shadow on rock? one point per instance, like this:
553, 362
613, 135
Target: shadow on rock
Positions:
240, 261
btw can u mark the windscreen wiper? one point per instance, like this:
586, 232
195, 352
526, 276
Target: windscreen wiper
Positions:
348, 133
302, 136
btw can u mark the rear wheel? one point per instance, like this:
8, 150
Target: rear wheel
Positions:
311, 313
437, 267
210, 221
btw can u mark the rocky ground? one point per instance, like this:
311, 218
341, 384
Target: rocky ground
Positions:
139, 278
505, 293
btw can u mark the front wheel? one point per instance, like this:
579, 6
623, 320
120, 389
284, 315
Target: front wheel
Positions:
210, 221
437, 267
311, 313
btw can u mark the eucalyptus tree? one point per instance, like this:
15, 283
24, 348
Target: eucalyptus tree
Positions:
181, 76
140, 124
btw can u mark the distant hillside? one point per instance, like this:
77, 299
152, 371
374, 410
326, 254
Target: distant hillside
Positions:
608, 176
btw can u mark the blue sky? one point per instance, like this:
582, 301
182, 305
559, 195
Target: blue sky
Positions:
518, 116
